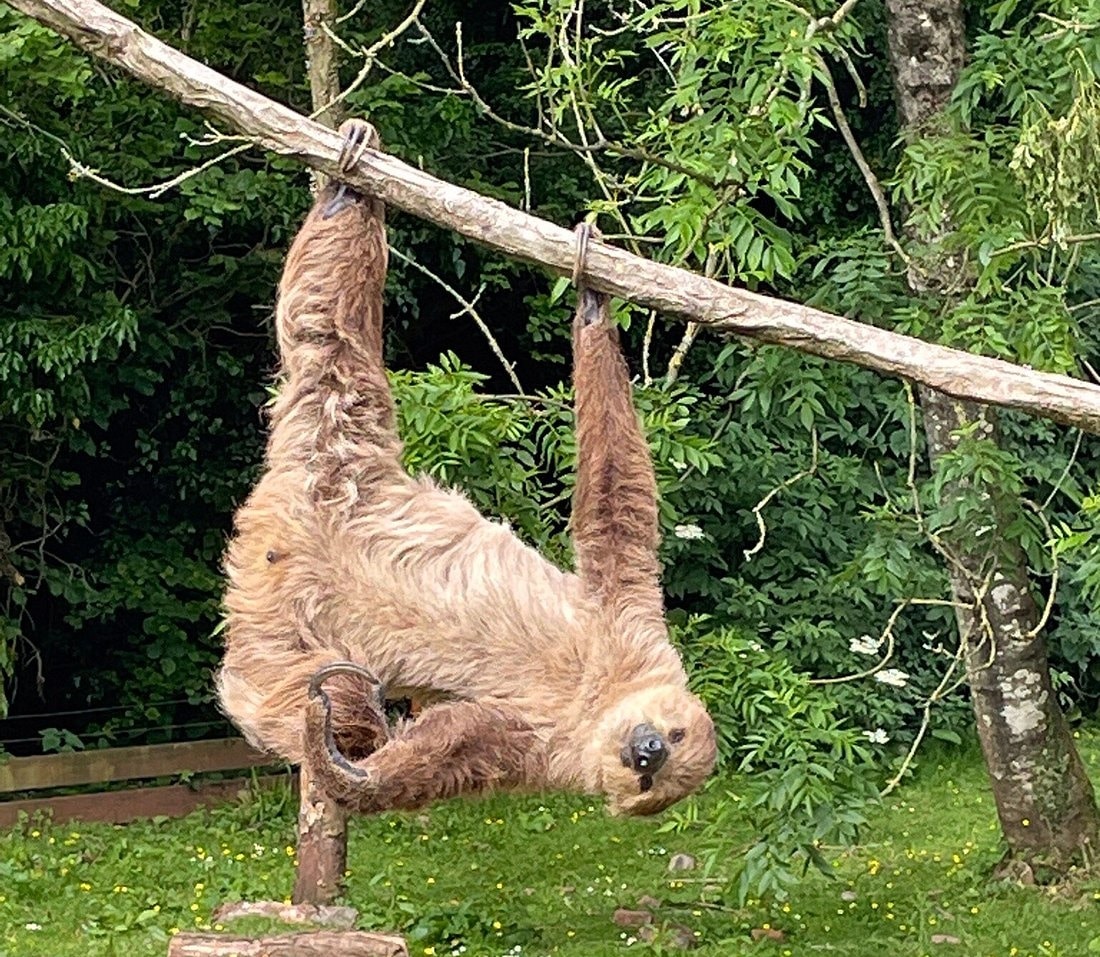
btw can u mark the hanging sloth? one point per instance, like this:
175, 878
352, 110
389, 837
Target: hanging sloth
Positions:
534, 678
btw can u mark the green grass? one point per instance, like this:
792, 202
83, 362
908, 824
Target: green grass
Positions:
540, 876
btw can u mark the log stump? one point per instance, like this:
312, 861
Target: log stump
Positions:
319, 943
322, 845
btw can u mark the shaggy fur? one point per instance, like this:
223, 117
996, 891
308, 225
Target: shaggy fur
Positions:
539, 677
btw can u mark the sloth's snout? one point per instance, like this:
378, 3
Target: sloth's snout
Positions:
645, 750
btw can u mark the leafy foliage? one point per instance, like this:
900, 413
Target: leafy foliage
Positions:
796, 505
806, 778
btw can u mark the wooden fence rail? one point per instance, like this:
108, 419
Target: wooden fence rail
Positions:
113, 765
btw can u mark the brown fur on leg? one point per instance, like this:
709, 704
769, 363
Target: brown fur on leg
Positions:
458, 747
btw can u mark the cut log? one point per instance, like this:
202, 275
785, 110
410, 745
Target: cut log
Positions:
672, 291
319, 943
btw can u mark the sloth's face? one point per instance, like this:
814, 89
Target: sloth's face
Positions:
659, 746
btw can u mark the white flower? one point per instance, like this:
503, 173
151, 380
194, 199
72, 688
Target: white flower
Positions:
33, 926
690, 532
865, 645
893, 676
878, 736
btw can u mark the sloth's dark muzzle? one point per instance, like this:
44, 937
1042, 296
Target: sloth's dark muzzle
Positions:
645, 750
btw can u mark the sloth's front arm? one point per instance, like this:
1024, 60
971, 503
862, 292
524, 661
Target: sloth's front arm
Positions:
457, 747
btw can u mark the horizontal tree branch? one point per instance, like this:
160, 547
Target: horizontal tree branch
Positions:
672, 291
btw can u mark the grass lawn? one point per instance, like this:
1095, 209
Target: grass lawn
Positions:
540, 876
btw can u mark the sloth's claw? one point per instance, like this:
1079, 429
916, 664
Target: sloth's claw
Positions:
339, 668
359, 136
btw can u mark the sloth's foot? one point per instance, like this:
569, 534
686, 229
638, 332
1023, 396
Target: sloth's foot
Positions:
359, 136
590, 304
353, 706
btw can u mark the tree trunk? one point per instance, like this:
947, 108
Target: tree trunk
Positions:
1044, 799
322, 60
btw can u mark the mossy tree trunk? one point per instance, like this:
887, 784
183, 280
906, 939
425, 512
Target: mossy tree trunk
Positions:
1044, 798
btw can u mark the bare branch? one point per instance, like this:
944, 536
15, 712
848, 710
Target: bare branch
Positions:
865, 170
763, 503
675, 292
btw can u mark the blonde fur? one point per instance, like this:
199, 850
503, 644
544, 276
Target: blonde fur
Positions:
339, 554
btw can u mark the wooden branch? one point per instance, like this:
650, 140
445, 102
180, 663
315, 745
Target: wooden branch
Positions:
322, 845
321, 943
672, 291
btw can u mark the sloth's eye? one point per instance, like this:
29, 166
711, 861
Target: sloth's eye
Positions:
645, 782
676, 735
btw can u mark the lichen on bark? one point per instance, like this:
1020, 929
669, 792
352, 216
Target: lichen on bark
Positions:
1044, 798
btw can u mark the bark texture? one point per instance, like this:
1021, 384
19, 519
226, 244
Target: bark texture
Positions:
672, 291
321, 943
322, 60
322, 823
322, 845
1044, 798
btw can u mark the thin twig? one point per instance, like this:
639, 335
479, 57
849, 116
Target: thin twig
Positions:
79, 171
1047, 242
370, 55
865, 170
692, 328
1048, 606
1065, 472
763, 503
468, 308
940, 692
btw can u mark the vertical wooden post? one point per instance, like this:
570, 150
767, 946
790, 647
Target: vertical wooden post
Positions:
322, 846
323, 67
322, 824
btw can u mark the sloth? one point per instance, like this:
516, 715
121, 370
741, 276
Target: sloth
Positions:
350, 581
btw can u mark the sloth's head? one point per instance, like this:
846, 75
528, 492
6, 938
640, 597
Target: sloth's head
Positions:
656, 746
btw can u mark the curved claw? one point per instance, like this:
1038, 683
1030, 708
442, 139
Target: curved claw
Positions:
590, 304
359, 136
316, 692
339, 668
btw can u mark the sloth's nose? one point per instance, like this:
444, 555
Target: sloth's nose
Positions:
646, 750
